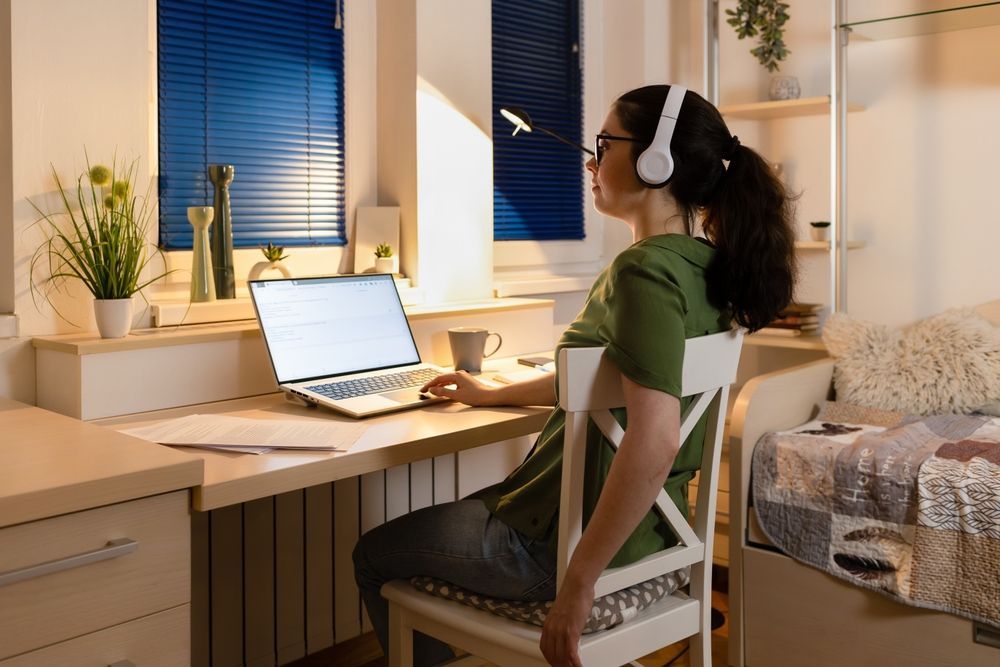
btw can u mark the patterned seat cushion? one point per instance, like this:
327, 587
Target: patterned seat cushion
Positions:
608, 611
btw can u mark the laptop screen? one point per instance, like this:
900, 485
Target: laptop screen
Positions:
318, 327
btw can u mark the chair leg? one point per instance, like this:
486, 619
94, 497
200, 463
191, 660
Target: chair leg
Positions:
400, 639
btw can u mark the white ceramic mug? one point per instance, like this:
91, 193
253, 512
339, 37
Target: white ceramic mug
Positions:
468, 347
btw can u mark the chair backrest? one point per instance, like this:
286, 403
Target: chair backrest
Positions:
589, 386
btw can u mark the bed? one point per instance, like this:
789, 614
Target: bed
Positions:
784, 612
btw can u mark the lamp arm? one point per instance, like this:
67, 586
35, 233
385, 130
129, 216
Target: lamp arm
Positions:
563, 139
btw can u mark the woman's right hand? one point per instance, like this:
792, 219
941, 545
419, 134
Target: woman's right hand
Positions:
462, 387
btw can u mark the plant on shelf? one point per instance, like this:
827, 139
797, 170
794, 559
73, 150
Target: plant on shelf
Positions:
764, 19
273, 255
98, 236
384, 263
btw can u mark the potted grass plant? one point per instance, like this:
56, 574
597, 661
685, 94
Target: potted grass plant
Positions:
98, 236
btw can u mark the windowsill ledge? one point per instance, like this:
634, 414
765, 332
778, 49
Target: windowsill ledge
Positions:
529, 285
91, 343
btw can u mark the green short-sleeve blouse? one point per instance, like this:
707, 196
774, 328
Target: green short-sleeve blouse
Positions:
642, 307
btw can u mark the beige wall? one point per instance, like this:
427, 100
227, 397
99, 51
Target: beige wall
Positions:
921, 160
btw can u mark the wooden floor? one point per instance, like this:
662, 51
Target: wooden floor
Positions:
364, 651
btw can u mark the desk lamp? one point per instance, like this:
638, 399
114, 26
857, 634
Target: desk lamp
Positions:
522, 121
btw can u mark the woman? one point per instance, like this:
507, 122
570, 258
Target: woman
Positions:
668, 286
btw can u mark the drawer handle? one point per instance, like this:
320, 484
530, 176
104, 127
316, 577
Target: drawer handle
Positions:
112, 549
985, 635
122, 663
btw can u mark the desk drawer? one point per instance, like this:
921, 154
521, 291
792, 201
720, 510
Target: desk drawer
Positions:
37, 609
160, 640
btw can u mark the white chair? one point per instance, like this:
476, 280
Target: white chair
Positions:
589, 386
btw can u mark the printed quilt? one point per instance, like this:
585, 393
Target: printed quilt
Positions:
904, 505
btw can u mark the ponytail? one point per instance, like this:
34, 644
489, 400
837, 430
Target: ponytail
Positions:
745, 209
749, 220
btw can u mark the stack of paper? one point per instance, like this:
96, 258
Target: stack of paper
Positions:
252, 436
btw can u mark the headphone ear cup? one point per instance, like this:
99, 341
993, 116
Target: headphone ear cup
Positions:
655, 166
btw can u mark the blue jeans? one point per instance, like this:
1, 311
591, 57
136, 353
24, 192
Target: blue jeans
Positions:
459, 542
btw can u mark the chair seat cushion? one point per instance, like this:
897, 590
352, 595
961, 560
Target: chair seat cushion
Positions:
608, 611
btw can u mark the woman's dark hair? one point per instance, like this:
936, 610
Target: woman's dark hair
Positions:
747, 213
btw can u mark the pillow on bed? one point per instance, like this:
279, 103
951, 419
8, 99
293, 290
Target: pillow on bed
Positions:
949, 363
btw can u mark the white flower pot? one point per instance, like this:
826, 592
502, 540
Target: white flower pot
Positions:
114, 317
819, 233
385, 264
258, 270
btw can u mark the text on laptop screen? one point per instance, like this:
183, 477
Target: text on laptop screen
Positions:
316, 327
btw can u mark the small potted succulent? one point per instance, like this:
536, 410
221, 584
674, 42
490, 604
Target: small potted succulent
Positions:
384, 261
819, 230
272, 262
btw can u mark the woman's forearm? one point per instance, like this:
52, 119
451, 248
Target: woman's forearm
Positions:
538, 391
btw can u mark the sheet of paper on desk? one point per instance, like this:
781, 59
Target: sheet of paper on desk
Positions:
218, 431
510, 377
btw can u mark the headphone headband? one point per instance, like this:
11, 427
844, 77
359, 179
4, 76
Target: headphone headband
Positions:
656, 165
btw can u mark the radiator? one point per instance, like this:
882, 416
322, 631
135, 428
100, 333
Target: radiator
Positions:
272, 579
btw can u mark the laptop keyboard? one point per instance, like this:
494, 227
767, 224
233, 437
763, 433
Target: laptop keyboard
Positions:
375, 385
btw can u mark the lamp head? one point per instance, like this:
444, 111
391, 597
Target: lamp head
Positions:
519, 117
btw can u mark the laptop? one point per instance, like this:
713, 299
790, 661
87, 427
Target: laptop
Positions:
342, 342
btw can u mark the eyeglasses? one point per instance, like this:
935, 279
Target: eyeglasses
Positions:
599, 152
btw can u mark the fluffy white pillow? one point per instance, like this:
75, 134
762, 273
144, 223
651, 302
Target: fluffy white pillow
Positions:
949, 363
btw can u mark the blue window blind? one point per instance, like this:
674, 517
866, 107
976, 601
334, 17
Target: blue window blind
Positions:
257, 84
537, 181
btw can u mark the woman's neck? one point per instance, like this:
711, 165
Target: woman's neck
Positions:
661, 218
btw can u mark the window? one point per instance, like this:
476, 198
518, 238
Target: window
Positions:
259, 85
537, 181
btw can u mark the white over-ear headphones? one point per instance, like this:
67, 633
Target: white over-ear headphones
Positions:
655, 166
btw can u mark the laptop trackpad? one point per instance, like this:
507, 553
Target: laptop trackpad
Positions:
410, 395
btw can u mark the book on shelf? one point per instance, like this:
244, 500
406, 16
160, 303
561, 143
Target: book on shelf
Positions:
778, 324
793, 309
796, 320
778, 331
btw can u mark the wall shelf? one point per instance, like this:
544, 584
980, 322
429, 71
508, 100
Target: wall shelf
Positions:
964, 17
806, 106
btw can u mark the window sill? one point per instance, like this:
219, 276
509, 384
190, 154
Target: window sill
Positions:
91, 343
528, 285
